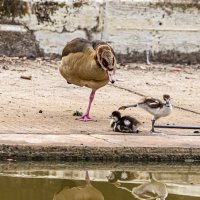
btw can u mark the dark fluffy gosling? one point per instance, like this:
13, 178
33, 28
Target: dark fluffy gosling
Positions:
125, 124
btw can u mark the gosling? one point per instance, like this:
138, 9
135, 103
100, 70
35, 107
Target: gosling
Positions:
125, 124
155, 107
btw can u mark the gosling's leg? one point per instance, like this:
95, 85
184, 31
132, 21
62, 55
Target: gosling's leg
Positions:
152, 127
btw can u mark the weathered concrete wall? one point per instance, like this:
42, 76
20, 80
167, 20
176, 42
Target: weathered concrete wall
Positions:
170, 29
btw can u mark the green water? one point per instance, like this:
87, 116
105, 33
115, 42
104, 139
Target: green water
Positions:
39, 181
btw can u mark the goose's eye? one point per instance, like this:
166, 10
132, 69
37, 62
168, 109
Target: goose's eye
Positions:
105, 63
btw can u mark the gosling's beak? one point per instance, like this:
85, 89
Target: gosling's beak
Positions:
111, 76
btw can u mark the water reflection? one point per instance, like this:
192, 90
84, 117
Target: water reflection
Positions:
115, 176
153, 189
84, 192
95, 183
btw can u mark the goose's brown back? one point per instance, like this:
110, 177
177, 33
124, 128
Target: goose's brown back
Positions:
75, 46
79, 66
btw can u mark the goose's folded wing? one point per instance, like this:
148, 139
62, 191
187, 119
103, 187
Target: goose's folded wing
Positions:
153, 103
75, 46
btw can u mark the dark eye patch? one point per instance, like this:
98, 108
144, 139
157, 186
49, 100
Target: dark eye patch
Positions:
113, 61
105, 63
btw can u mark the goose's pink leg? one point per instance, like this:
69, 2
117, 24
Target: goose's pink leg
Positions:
86, 116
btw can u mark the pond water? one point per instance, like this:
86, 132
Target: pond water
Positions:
75, 181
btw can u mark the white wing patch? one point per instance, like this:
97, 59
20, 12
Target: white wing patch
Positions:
119, 128
155, 103
127, 122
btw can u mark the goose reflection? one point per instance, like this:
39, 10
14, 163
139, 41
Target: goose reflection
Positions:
153, 190
85, 192
115, 176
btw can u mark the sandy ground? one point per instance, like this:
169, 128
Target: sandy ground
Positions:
21, 99
38, 113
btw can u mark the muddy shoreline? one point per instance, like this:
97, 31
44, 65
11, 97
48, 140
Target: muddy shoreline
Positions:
94, 154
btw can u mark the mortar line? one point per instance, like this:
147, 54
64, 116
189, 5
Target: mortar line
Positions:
106, 140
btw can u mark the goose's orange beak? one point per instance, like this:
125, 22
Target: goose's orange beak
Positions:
111, 76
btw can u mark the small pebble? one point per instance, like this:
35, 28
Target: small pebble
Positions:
196, 131
5, 67
40, 111
26, 77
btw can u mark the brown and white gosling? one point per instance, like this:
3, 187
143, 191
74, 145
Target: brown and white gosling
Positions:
154, 106
125, 124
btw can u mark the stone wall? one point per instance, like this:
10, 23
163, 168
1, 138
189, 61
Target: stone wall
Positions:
168, 29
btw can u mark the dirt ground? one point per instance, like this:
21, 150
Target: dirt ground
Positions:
37, 122
46, 103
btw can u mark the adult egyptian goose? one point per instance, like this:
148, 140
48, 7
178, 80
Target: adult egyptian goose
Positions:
89, 64
85, 192
154, 106
125, 124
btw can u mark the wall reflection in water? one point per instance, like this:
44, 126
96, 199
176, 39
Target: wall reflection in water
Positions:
41, 183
